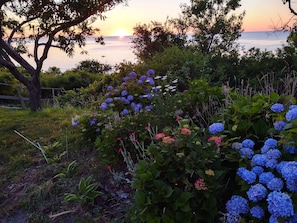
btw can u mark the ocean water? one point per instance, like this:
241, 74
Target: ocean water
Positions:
117, 50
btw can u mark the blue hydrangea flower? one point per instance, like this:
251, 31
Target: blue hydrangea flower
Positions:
236, 145
292, 107
258, 170
140, 82
124, 93
271, 143
125, 112
132, 74
273, 154
233, 218
290, 149
291, 185
109, 88
256, 193
291, 114
248, 143
130, 97
150, 81
292, 219
289, 170
257, 212
149, 96
264, 149
280, 166
265, 177
277, 107
93, 121
276, 184
246, 153
143, 78
104, 106
150, 72
126, 79
108, 100
280, 204
273, 219
246, 175
237, 205
259, 160
279, 125
216, 128
149, 107
271, 163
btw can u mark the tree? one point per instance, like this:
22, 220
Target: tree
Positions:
47, 23
93, 66
155, 37
290, 5
214, 24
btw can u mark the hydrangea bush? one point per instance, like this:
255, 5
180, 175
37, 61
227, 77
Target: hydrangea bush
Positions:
268, 173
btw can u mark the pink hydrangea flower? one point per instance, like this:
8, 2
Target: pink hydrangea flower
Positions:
160, 135
200, 184
216, 139
168, 140
186, 131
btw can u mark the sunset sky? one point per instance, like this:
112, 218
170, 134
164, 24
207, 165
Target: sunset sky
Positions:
261, 15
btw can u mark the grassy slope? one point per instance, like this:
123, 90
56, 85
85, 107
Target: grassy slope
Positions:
26, 179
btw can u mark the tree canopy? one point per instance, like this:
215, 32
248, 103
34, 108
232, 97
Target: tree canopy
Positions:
60, 24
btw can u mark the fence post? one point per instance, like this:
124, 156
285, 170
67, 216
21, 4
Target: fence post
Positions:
21, 97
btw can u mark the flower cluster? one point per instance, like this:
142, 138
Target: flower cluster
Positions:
270, 180
216, 128
200, 184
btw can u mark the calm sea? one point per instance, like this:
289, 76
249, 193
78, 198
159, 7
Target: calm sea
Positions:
117, 49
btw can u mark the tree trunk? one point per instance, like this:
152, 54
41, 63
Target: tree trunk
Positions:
34, 90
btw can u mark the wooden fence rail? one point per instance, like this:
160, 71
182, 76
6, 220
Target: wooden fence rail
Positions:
19, 97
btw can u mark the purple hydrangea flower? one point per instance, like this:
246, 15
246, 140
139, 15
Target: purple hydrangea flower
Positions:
257, 212
291, 114
132, 74
279, 125
104, 106
130, 97
150, 72
109, 88
277, 107
126, 79
280, 204
124, 93
125, 112
216, 128
237, 205
248, 143
93, 121
276, 184
143, 78
150, 81
256, 193
140, 82
108, 100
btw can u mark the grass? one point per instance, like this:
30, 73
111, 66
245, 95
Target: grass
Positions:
27, 181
